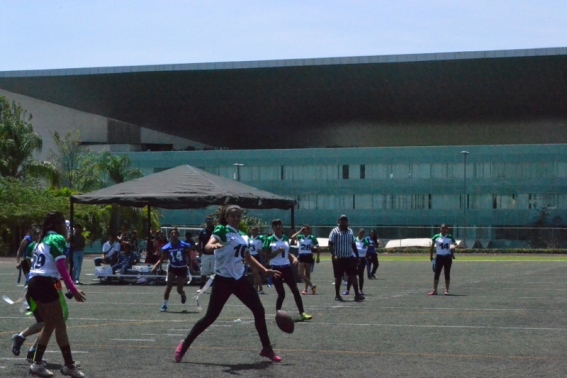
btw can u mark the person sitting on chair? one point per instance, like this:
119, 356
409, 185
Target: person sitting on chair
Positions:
110, 252
126, 261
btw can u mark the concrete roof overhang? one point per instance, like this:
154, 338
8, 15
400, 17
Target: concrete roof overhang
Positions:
239, 104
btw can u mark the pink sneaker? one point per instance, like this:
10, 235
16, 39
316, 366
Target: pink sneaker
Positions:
269, 353
179, 352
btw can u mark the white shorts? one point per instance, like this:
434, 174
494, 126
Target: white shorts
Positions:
207, 265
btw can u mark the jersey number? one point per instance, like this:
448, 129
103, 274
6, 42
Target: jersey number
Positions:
239, 250
39, 261
306, 247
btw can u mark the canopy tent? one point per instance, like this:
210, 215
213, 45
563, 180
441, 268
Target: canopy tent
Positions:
183, 187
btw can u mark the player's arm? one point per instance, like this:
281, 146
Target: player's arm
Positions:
159, 262
212, 245
431, 249
254, 263
353, 245
294, 236
316, 249
20, 253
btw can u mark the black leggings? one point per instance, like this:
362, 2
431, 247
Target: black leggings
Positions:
287, 276
360, 273
373, 264
223, 288
443, 261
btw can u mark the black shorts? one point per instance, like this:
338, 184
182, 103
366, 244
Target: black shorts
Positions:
33, 307
306, 258
345, 265
178, 272
44, 289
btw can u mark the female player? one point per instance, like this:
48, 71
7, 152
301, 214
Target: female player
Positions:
372, 262
444, 244
256, 244
230, 247
277, 247
362, 243
178, 254
44, 290
308, 244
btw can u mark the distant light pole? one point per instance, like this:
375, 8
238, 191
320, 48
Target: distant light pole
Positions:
238, 165
465, 198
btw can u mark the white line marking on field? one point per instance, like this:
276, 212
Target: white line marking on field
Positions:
74, 351
446, 326
142, 340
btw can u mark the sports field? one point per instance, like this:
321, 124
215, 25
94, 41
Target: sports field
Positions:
506, 317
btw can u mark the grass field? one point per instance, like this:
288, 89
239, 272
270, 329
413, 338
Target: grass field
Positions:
506, 317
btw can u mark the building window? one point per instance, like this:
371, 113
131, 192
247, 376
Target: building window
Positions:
282, 173
345, 172
362, 171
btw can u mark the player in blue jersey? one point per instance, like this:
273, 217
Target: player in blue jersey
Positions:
444, 244
177, 253
230, 246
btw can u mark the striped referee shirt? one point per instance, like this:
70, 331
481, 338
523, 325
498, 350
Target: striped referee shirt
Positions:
342, 242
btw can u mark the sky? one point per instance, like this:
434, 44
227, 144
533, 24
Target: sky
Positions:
49, 34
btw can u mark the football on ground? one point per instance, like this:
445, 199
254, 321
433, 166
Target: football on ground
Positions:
285, 321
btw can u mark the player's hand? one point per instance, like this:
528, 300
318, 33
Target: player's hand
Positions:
18, 265
430, 258
295, 262
273, 273
80, 296
317, 260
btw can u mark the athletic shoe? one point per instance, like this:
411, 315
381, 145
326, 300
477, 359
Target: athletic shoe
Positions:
373, 276
304, 292
30, 356
39, 371
179, 352
339, 299
432, 293
261, 292
361, 293
17, 342
199, 291
183, 298
314, 289
163, 308
72, 371
269, 286
346, 292
359, 298
268, 352
305, 316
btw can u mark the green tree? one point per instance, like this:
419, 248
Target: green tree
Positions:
67, 158
18, 143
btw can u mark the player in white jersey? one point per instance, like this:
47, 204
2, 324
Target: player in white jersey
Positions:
307, 245
44, 290
255, 245
444, 244
362, 242
230, 248
277, 248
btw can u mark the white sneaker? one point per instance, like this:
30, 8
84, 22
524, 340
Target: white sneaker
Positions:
72, 371
39, 371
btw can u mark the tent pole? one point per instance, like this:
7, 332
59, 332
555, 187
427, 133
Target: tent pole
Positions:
293, 218
149, 230
72, 227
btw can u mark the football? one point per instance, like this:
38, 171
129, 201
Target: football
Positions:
285, 321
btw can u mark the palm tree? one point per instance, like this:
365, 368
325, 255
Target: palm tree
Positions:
118, 168
18, 143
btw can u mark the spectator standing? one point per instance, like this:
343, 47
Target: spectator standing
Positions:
207, 257
78, 244
444, 244
345, 257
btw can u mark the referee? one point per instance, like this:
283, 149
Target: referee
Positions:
345, 257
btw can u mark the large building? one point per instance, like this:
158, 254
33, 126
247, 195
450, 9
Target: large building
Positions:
379, 138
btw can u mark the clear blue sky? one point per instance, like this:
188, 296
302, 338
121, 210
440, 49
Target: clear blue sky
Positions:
46, 34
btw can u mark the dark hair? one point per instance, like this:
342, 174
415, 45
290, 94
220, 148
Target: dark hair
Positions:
276, 221
224, 212
188, 234
174, 229
373, 236
50, 222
